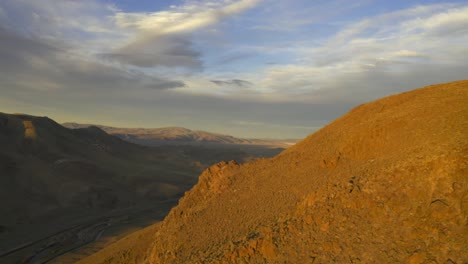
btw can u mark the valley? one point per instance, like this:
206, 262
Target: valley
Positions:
78, 238
66, 193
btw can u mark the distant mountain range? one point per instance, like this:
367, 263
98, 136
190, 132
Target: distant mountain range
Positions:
180, 136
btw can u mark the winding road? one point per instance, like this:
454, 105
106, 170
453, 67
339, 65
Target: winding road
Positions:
48, 249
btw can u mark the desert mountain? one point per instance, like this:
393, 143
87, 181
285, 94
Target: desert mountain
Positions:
42, 162
180, 136
52, 177
385, 183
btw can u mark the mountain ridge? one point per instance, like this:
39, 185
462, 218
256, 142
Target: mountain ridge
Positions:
384, 183
180, 135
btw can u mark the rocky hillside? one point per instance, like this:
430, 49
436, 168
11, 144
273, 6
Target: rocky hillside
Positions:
385, 183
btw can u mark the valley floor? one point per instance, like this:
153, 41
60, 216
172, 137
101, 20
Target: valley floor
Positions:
52, 242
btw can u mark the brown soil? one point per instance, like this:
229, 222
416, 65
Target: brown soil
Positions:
385, 183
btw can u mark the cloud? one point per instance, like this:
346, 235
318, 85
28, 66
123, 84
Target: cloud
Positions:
375, 57
298, 15
162, 84
163, 38
59, 20
145, 40
166, 51
34, 64
55, 45
408, 53
234, 82
450, 22
185, 18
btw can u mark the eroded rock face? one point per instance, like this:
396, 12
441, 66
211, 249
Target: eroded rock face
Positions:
385, 183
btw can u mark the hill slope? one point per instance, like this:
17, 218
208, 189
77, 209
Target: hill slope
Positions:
385, 183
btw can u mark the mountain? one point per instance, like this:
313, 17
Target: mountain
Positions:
42, 161
53, 178
180, 136
385, 183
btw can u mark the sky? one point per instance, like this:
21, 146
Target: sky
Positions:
248, 68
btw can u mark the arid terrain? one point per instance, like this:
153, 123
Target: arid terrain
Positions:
385, 183
233, 131
165, 135
62, 189
179, 136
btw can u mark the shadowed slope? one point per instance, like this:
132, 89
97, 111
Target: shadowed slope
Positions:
53, 178
385, 183
44, 166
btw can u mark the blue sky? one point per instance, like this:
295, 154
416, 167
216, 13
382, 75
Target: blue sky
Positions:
250, 68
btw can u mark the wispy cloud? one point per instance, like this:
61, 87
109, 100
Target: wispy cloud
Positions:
163, 38
234, 82
364, 59
184, 18
297, 15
